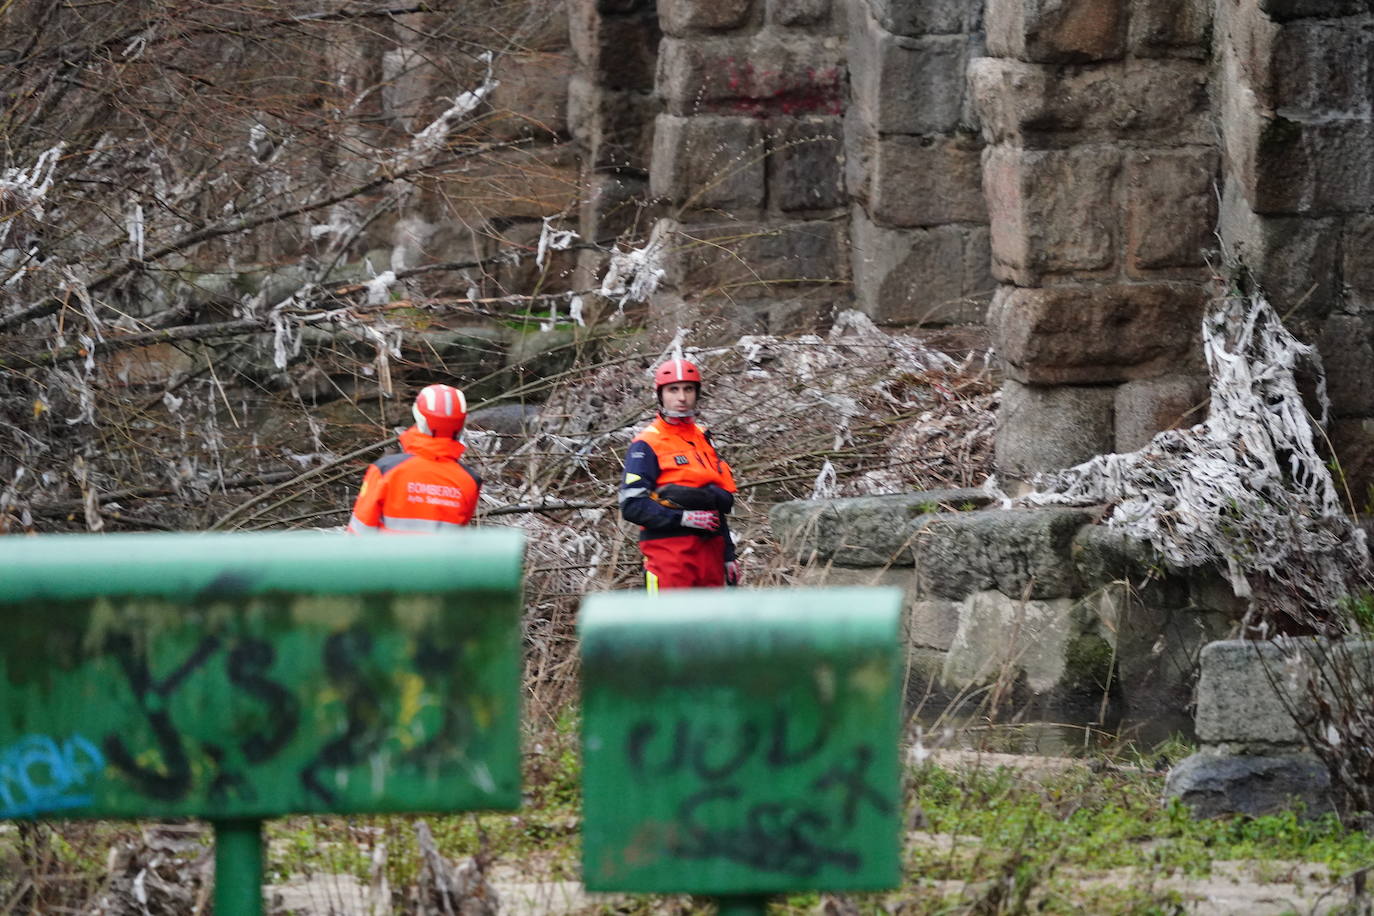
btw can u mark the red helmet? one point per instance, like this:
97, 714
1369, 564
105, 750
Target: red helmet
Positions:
676, 370
440, 411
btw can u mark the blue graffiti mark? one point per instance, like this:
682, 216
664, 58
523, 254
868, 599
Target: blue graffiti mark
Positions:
38, 775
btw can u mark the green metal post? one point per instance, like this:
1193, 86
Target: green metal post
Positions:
742, 905
238, 867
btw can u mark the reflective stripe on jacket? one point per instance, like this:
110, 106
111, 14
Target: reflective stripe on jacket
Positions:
425, 490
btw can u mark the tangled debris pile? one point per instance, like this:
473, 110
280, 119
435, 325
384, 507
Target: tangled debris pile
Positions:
1247, 489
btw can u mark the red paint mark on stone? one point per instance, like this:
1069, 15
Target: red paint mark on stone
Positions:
766, 93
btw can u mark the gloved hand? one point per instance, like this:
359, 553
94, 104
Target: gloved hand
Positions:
704, 519
732, 573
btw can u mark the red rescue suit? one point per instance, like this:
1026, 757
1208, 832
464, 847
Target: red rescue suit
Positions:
670, 456
425, 490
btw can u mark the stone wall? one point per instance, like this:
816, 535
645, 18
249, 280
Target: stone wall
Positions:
1099, 172
1298, 196
1258, 704
1041, 605
1084, 159
919, 226
746, 164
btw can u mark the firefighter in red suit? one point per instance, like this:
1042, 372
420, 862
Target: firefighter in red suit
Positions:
679, 491
425, 489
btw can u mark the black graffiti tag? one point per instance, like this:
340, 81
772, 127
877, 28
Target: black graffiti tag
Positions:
152, 696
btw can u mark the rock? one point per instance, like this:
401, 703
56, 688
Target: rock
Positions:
1214, 785
1046, 428
1022, 553
1001, 638
861, 531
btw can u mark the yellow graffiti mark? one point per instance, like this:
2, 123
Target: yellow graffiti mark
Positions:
412, 694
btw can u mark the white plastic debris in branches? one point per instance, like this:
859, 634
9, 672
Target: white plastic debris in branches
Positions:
433, 136
1247, 488
551, 239
634, 275
379, 288
23, 189
133, 224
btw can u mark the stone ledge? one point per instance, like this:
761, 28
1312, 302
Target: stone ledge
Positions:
862, 531
1023, 553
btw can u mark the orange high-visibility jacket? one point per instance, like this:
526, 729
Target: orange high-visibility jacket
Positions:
425, 490
666, 453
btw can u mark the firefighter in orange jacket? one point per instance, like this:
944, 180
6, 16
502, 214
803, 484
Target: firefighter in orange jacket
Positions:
425, 489
679, 491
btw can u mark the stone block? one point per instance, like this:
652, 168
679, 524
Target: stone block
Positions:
1057, 31
1310, 74
531, 98
1081, 335
1046, 429
708, 162
762, 75
979, 283
1171, 209
616, 128
758, 260
1295, 259
1216, 784
1283, 10
1039, 106
924, 181
1317, 168
1357, 264
932, 623
1022, 553
1255, 694
615, 204
618, 51
681, 17
1147, 406
905, 85
1051, 211
919, 276
1001, 638
1171, 28
862, 531
1105, 558
804, 169
1348, 357
798, 12
1352, 441
926, 17
1155, 642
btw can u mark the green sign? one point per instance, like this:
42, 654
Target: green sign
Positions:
741, 742
237, 676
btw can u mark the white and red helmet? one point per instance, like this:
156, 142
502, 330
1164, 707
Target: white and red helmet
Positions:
676, 370
440, 411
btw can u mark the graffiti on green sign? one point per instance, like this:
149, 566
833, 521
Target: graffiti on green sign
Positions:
40, 773
247, 661
797, 837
